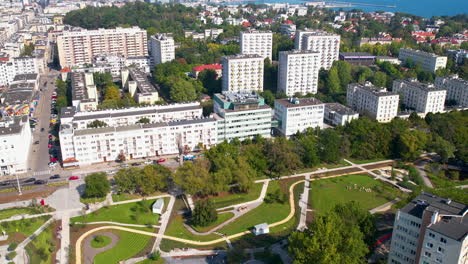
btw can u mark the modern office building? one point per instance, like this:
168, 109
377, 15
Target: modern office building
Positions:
457, 89
298, 72
139, 86
423, 98
430, 230
241, 114
357, 58
373, 101
172, 129
428, 61
78, 47
297, 114
242, 73
339, 115
257, 42
162, 48
15, 143
84, 92
327, 44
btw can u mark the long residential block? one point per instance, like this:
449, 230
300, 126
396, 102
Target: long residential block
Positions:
257, 42
242, 73
457, 89
424, 98
298, 72
327, 44
428, 61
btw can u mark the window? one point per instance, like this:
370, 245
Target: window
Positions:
431, 235
441, 250
429, 245
443, 240
427, 254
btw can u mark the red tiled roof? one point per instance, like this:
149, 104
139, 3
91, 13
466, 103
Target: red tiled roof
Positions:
289, 22
423, 34
208, 66
65, 69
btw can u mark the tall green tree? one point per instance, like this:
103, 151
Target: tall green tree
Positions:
96, 185
204, 213
333, 81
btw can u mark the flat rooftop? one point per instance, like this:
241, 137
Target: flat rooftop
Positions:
420, 52
79, 91
143, 83
243, 57
239, 97
12, 125
298, 102
433, 203
289, 52
369, 87
339, 108
422, 86
25, 77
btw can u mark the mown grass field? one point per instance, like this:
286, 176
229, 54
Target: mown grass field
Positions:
128, 246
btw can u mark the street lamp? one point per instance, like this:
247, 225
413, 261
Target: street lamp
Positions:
19, 186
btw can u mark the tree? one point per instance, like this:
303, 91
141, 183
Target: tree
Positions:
204, 213
333, 81
282, 157
210, 81
97, 185
124, 180
380, 79
344, 71
144, 120
97, 123
329, 146
182, 90
112, 92
442, 147
27, 50
194, 178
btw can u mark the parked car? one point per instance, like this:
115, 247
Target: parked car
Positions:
53, 177
40, 182
161, 160
111, 172
124, 166
148, 161
30, 180
189, 157
72, 178
53, 159
36, 142
52, 163
135, 164
49, 145
50, 136
42, 129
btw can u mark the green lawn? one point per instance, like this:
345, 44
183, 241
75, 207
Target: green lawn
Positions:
25, 226
92, 200
7, 213
127, 196
149, 261
265, 213
104, 241
442, 181
177, 229
221, 219
41, 248
237, 198
324, 194
130, 213
128, 246
355, 161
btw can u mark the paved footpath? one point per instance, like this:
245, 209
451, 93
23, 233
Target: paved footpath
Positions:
303, 204
384, 207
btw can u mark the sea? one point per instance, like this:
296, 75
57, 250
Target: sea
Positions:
424, 8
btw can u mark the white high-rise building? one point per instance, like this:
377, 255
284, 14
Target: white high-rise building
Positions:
242, 73
298, 114
162, 48
257, 42
298, 71
457, 89
15, 143
430, 230
373, 101
327, 44
424, 98
428, 61
10, 67
79, 47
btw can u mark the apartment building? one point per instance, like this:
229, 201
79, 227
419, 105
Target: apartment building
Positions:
257, 42
139, 85
428, 61
113, 64
376, 102
457, 89
430, 230
327, 44
298, 72
15, 142
339, 115
241, 114
12, 66
424, 98
297, 114
78, 47
84, 92
162, 48
242, 73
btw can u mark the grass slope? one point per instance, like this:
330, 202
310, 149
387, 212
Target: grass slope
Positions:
128, 246
41, 248
237, 198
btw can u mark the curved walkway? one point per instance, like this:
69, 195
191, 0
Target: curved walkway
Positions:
115, 223
186, 241
92, 252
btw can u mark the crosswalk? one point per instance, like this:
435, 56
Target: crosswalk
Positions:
44, 172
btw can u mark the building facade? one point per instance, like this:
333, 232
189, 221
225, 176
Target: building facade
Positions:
297, 114
15, 142
430, 230
428, 61
373, 101
327, 44
257, 42
84, 92
167, 129
242, 115
457, 89
79, 47
298, 72
424, 98
162, 48
139, 86
242, 73
12, 66
339, 115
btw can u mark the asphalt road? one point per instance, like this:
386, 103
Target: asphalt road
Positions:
39, 155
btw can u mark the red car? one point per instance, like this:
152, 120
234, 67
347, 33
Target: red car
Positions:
73, 178
53, 159
49, 145
161, 160
50, 136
